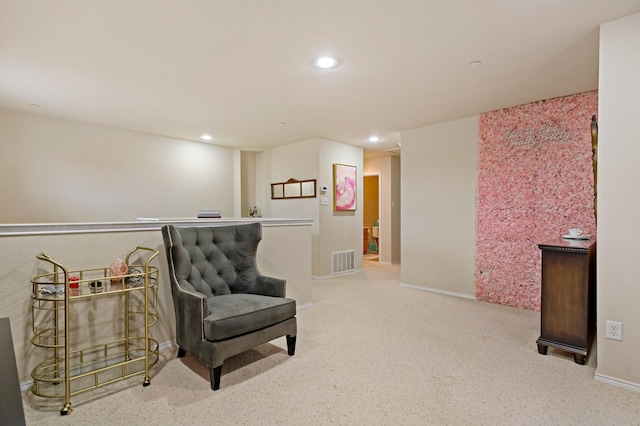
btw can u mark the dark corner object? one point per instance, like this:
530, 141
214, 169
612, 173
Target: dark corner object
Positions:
223, 305
10, 395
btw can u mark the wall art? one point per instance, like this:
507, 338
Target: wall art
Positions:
345, 187
293, 189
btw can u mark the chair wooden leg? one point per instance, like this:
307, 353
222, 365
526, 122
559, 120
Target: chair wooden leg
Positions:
291, 344
214, 376
181, 352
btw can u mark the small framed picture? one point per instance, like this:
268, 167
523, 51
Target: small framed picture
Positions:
277, 190
292, 190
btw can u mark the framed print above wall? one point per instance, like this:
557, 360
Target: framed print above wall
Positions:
344, 187
293, 189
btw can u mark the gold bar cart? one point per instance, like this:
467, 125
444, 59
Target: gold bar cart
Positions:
64, 301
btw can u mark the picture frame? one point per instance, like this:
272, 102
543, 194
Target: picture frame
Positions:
277, 191
345, 187
293, 189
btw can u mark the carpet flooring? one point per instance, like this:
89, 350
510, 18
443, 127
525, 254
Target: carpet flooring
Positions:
371, 352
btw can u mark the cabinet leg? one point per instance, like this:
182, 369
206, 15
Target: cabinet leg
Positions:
580, 359
542, 349
181, 352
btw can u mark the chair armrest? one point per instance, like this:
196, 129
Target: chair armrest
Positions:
191, 309
269, 286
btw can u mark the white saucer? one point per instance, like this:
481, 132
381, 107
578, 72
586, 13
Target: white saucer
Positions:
577, 237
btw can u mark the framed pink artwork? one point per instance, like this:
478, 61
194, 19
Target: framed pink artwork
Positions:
344, 187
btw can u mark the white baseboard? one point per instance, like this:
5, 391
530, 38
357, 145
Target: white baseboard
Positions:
321, 277
617, 382
439, 291
304, 306
328, 277
166, 345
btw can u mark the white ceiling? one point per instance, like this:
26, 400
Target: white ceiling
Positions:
237, 69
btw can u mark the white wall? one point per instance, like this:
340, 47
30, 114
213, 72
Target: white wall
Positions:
439, 180
253, 175
332, 231
248, 184
339, 230
396, 210
298, 161
62, 171
295, 161
619, 200
263, 188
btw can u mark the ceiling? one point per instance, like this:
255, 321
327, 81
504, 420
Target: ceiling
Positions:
242, 70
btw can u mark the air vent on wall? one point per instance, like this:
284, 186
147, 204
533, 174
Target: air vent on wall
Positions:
343, 261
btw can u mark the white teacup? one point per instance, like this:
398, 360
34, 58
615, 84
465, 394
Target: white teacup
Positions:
574, 232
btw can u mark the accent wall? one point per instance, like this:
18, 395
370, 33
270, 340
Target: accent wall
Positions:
535, 180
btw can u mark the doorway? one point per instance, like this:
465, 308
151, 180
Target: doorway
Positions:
371, 218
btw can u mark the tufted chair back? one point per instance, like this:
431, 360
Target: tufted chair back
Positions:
220, 260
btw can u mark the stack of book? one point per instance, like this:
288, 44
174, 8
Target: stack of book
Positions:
209, 214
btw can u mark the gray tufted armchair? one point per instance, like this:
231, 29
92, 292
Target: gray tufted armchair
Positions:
223, 305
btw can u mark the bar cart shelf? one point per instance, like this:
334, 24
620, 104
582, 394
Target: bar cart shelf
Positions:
71, 366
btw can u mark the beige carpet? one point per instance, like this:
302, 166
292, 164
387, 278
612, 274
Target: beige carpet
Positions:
371, 256
371, 352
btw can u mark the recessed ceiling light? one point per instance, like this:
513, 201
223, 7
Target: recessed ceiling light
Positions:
206, 137
475, 64
325, 62
374, 139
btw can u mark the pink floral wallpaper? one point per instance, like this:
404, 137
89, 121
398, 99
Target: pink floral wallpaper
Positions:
535, 180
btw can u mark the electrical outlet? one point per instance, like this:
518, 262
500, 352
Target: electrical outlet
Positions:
614, 330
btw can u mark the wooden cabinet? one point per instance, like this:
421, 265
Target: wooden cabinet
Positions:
365, 240
568, 309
